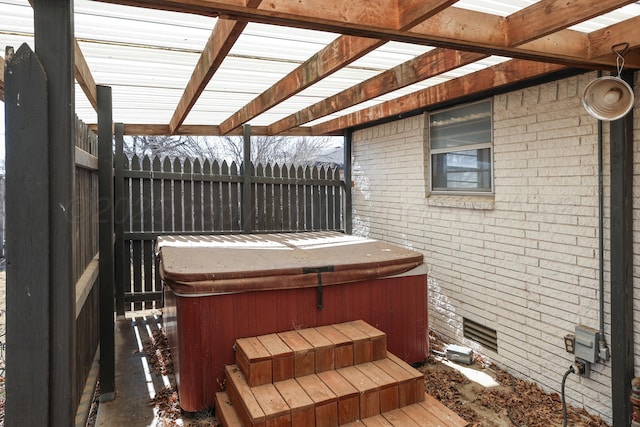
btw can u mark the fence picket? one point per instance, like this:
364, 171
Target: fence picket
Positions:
147, 223
136, 225
286, 204
236, 213
167, 206
276, 200
188, 195
308, 201
206, 197
197, 195
178, 216
322, 208
315, 200
217, 210
260, 205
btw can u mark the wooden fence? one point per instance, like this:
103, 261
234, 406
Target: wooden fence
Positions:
85, 264
171, 196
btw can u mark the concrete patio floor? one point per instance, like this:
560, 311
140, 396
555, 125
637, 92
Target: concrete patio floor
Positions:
136, 383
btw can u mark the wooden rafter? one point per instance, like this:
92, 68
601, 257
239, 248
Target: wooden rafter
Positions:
489, 78
549, 16
223, 37
338, 54
453, 28
427, 65
84, 77
204, 130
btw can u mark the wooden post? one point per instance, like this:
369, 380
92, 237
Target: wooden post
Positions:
121, 259
27, 197
348, 203
622, 370
105, 206
54, 43
247, 202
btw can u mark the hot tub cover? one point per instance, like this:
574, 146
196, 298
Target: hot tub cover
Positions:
198, 265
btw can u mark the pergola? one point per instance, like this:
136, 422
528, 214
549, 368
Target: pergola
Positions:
302, 68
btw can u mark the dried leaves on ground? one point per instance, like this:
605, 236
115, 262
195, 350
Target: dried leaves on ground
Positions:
513, 403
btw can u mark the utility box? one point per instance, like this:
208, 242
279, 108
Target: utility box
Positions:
586, 343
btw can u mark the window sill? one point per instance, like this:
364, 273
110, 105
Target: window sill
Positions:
462, 201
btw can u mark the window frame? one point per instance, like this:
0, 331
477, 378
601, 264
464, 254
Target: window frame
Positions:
485, 145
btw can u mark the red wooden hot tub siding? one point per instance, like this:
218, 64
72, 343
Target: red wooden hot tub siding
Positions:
202, 330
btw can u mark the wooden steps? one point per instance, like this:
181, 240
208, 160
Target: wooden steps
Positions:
335, 375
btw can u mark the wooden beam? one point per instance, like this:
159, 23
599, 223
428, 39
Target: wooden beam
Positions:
453, 28
27, 217
54, 43
412, 12
84, 78
202, 130
222, 38
1, 79
427, 65
601, 41
337, 54
105, 234
549, 16
490, 78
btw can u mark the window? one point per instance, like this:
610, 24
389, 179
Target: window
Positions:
460, 143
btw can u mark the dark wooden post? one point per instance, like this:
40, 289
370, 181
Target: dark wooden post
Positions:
622, 370
121, 259
105, 206
27, 198
54, 43
247, 202
348, 202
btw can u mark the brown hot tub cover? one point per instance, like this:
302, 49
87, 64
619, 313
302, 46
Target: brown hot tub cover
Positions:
200, 265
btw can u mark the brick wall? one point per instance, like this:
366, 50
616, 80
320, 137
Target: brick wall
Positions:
523, 262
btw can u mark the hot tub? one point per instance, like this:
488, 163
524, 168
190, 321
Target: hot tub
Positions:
220, 288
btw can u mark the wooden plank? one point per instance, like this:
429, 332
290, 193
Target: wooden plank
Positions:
361, 342
377, 337
85, 284
387, 385
121, 205
27, 218
243, 399
83, 76
412, 12
429, 64
300, 404
178, 216
417, 375
136, 225
348, 183
325, 401
127, 223
197, 196
268, 202
367, 388
86, 160
489, 78
207, 210
147, 223
308, 201
336, 55
276, 410
254, 361
348, 398
281, 356
407, 383
546, 17
343, 346
260, 199
277, 206
303, 353
187, 195
107, 292
444, 414
226, 190
53, 36
323, 348
315, 202
222, 38
400, 418
225, 412
377, 421
248, 217
216, 196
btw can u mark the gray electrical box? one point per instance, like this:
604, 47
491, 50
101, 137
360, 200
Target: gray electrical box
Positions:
587, 343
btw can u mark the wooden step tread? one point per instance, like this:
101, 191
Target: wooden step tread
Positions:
427, 413
278, 357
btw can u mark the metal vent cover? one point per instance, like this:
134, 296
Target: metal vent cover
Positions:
481, 334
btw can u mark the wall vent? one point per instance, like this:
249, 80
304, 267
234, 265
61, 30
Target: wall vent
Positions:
481, 334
